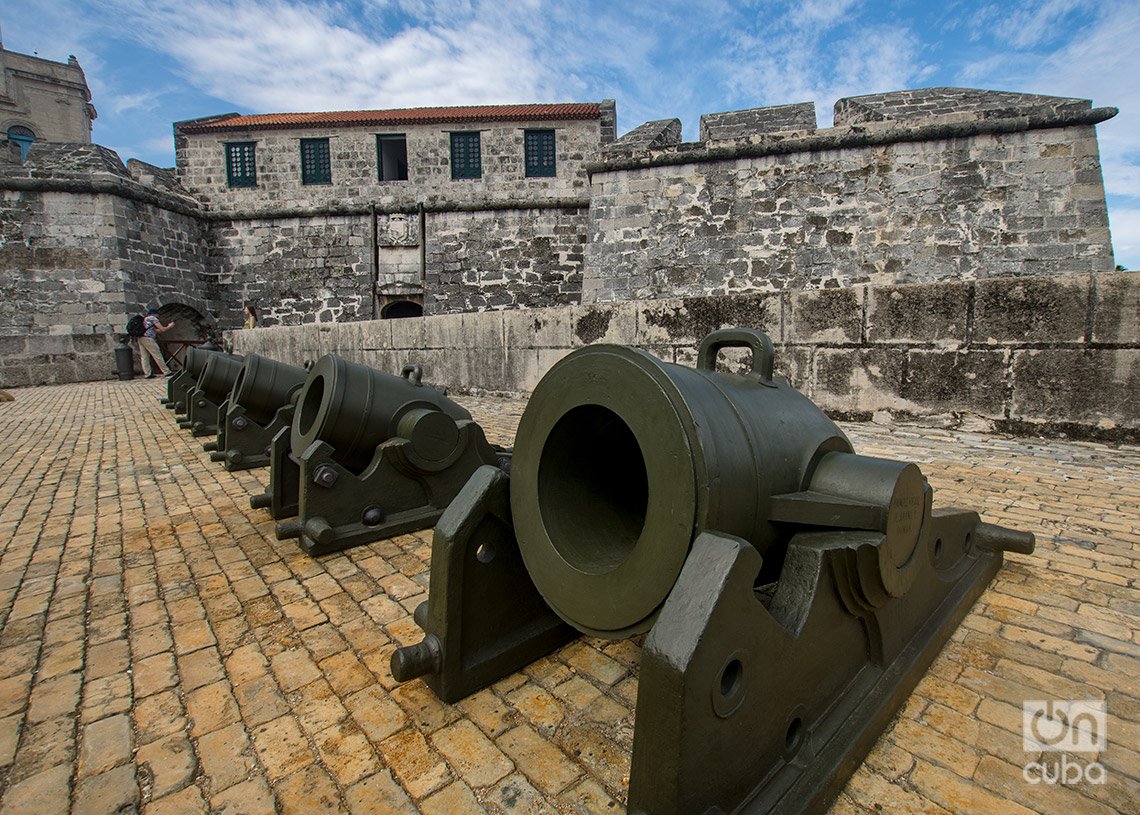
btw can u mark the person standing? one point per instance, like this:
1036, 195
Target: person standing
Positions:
148, 344
250, 315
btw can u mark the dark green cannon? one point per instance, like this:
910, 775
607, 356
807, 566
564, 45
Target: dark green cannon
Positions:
794, 592
259, 406
370, 455
179, 385
205, 403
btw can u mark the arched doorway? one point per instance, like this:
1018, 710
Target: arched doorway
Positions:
190, 328
401, 308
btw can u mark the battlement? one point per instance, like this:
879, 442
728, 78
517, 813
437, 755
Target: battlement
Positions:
927, 104
737, 124
92, 168
898, 117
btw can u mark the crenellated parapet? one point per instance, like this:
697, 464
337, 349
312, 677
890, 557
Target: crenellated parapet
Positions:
913, 186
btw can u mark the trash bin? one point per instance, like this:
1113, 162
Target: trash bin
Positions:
124, 360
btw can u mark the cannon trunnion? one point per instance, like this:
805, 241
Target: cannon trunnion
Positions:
368, 455
259, 406
793, 592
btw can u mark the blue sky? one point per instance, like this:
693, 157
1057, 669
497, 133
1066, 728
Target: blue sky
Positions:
152, 62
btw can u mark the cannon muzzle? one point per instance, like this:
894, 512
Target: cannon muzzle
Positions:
264, 385
218, 376
355, 408
622, 460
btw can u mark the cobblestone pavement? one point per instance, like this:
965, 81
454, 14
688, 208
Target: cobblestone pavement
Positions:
161, 649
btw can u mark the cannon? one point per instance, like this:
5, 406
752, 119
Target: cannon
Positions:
370, 455
186, 379
793, 591
205, 403
259, 406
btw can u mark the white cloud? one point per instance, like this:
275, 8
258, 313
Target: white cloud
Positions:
1124, 222
797, 68
123, 102
1034, 22
819, 14
280, 55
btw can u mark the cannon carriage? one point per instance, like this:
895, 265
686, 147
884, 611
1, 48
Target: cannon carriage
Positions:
368, 455
260, 405
793, 591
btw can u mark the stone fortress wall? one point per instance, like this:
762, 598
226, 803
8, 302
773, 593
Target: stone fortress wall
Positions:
980, 215
85, 241
1030, 354
946, 184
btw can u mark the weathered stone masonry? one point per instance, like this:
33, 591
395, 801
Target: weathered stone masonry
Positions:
1020, 354
1005, 184
304, 252
988, 206
85, 241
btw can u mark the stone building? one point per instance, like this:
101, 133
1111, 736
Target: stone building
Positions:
42, 100
351, 215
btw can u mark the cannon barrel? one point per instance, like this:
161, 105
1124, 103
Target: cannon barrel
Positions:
187, 378
264, 385
218, 376
196, 359
621, 460
354, 409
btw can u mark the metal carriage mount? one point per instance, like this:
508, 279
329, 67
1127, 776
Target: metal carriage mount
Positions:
369, 455
260, 405
794, 592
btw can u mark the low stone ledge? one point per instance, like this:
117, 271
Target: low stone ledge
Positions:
109, 185
911, 349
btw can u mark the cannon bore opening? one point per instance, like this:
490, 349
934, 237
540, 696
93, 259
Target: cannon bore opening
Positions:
311, 404
593, 489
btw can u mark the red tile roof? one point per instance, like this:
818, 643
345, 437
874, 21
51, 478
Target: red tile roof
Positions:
405, 116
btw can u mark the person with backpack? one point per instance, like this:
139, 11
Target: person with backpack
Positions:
148, 344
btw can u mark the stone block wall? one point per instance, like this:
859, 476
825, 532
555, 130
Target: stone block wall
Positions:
83, 245
295, 270
1027, 354
57, 306
963, 193
504, 259
161, 255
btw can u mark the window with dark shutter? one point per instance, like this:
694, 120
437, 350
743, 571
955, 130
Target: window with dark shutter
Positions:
538, 150
466, 160
316, 167
241, 163
392, 156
